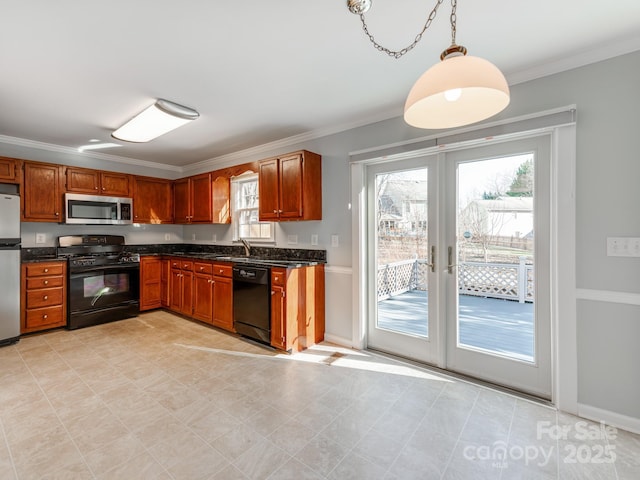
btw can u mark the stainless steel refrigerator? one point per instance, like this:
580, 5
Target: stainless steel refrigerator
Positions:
9, 267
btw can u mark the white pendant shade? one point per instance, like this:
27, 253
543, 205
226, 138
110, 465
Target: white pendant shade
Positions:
158, 119
459, 90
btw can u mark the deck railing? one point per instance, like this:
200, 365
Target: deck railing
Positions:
492, 280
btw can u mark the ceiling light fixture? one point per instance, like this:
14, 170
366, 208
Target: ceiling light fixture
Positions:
97, 146
160, 118
457, 91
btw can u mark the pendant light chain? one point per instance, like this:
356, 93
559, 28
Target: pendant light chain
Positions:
453, 18
400, 53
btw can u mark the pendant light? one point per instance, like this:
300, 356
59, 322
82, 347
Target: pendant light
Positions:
458, 91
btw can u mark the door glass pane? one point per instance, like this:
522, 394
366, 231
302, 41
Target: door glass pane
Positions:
495, 238
402, 249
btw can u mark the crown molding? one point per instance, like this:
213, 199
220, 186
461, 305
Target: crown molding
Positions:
248, 154
579, 59
51, 147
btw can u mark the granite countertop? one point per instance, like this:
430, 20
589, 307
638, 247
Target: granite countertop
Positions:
262, 256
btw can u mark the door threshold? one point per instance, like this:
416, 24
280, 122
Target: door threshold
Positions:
465, 378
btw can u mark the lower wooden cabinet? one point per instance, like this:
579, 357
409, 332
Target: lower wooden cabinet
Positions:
181, 286
150, 283
203, 292
297, 307
223, 296
198, 289
44, 293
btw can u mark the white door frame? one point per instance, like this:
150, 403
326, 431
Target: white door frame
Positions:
563, 279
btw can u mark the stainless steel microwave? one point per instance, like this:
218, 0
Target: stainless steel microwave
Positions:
97, 210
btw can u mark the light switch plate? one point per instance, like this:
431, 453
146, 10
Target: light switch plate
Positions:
314, 239
623, 247
335, 241
41, 238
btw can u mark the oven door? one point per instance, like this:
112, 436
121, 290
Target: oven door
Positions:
103, 293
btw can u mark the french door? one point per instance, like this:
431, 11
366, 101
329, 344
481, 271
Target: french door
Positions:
458, 261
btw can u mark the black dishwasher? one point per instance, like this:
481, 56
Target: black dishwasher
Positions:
252, 302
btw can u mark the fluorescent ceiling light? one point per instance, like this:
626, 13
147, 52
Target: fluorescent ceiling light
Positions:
160, 118
97, 146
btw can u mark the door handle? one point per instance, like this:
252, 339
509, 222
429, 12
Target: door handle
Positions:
451, 266
432, 265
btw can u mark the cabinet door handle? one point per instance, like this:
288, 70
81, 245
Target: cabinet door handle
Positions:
275, 211
46, 270
46, 297
221, 271
45, 316
46, 282
272, 292
276, 278
57, 214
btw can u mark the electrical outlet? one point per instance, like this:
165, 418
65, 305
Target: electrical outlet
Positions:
292, 239
167, 236
214, 238
335, 241
623, 247
193, 236
314, 239
41, 238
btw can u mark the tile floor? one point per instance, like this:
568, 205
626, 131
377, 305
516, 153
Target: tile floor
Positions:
160, 397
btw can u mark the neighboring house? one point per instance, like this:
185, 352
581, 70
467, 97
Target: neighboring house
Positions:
504, 218
402, 206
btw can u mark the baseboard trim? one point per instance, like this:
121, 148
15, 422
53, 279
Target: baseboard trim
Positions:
625, 422
341, 341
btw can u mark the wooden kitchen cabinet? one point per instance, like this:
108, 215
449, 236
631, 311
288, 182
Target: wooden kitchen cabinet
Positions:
192, 201
42, 193
43, 296
203, 291
223, 296
181, 286
152, 200
97, 182
150, 283
290, 187
165, 276
10, 170
221, 198
297, 307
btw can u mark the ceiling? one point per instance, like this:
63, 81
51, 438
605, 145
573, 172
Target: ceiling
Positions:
262, 71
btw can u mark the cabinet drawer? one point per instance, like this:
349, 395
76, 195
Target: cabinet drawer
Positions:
202, 268
222, 270
278, 276
39, 269
44, 282
43, 317
186, 265
45, 297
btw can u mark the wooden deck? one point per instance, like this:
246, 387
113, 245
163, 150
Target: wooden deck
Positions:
501, 326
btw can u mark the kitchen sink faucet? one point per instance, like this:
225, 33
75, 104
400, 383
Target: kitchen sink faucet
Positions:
247, 247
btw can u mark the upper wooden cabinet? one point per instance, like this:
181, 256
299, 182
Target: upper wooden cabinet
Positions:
192, 199
10, 169
291, 187
84, 180
152, 200
221, 198
42, 193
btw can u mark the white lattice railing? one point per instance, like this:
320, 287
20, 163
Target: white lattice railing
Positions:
493, 280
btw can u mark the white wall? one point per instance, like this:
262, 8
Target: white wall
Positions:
143, 234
